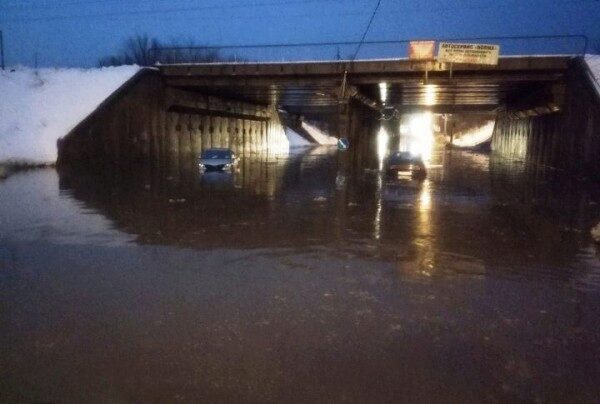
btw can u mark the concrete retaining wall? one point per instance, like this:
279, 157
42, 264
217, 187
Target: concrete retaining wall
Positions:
147, 122
127, 127
569, 139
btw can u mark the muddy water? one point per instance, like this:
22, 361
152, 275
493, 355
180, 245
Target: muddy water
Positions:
295, 280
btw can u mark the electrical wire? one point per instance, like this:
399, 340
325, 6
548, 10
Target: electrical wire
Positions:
404, 10
60, 6
478, 5
367, 29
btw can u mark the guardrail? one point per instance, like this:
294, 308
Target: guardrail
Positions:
509, 46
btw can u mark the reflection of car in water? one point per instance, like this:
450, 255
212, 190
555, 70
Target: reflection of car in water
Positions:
403, 164
217, 180
217, 159
403, 192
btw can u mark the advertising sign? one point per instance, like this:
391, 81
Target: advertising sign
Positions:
421, 50
478, 54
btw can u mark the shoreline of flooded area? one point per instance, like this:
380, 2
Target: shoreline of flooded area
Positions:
296, 278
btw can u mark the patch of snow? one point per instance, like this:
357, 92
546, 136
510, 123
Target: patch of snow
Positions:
593, 62
37, 107
295, 139
476, 136
318, 135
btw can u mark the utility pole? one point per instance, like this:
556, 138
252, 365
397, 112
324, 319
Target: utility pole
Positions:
2, 49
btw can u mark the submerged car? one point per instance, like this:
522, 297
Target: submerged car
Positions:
217, 159
403, 164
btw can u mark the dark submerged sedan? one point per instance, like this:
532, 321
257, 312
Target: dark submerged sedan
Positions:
404, 164
217, 159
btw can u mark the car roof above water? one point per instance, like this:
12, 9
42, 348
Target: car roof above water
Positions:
404, 156
217, 152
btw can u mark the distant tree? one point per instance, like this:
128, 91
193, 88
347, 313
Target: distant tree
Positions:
145, 51
112, 61
140, 49
135, 50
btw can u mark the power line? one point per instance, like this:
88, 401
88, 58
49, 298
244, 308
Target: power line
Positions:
229, 17
478, 5
58, 6
270, 4
174, 10
367, 29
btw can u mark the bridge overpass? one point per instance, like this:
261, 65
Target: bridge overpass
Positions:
305, 87
547, 109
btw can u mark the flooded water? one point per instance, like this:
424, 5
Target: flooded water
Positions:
294, 280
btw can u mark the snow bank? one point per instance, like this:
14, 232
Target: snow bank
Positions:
295, 139
318, 135
476, 136
593, 61
39, 106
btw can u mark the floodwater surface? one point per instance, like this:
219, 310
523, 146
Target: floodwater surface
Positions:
293, 279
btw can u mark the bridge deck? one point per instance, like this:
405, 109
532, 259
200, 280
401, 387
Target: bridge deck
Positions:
304, 86
505, 64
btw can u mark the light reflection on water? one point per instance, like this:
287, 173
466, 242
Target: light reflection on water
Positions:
505, 220
295, 278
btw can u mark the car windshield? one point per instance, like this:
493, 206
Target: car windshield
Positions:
402, 157
216, 154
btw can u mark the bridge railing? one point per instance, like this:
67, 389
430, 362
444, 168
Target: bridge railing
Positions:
509, 46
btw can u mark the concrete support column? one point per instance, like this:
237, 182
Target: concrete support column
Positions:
224, 134
185, 148
172, 137
196, 123
162, 136
253, 137
237, 136
145, 140
263, 136
343, 118
153, 140
204, 132
245, 137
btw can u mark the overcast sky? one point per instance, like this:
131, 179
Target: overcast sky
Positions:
79, 32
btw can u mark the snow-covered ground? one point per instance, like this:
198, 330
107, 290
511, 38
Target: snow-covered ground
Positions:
320, 137
295, 139
593, 61
476, 136
39, 106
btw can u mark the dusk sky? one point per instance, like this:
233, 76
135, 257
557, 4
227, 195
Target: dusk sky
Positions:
79, 32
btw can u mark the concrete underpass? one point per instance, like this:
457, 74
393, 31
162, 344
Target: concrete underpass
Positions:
545, 108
